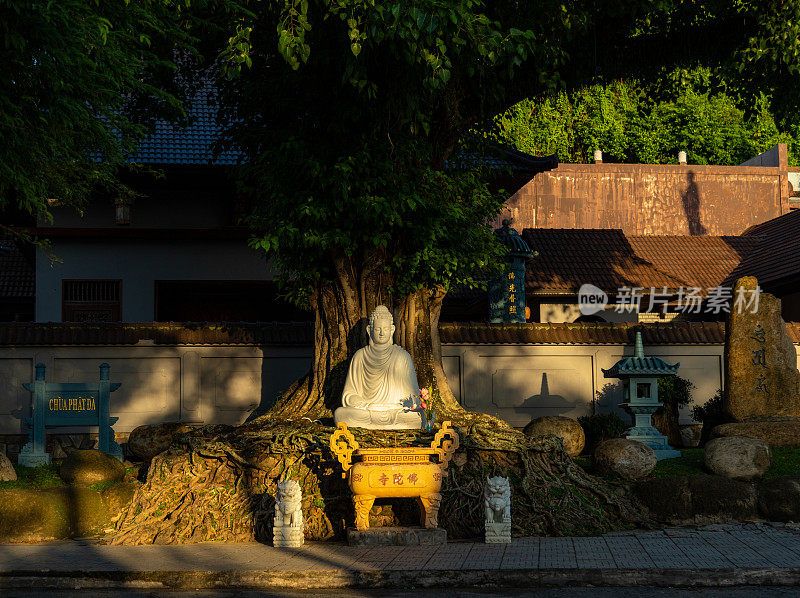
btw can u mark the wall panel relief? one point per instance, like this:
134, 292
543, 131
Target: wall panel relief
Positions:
519, 388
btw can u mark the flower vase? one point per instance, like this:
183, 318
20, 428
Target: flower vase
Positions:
427, 424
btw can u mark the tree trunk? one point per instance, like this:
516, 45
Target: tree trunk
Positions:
341, 313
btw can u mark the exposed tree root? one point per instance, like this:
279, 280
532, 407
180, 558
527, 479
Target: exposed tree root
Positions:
217, 483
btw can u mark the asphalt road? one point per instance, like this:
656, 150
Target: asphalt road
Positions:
735, 592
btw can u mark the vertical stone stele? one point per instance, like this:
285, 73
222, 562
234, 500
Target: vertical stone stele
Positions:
289, 524
497, 500
761, 377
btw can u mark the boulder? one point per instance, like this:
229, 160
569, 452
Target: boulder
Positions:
774, 433
145, 442
7, 473
737, 458
627, 459
566, 428
53, 513
690, 435
761, 374
119, 496
91, 467
779, 499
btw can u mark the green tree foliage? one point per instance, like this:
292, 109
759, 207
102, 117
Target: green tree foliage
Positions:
350, 125
634, 122
79, 81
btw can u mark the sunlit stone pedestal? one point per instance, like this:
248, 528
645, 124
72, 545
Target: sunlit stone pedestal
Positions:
498, 532
287, 537
396, 536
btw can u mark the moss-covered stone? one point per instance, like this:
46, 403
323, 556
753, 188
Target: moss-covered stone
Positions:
53, 513
91, 467
668, 499
717, 498
118, 496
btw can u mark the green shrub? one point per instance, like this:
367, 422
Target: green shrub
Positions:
601, 425
711, 410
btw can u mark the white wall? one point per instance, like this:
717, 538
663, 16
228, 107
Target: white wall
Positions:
223, 384
139, 263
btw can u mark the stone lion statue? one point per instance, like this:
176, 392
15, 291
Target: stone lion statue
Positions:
289, 505
497, 500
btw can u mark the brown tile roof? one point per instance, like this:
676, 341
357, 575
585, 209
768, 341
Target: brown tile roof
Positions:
301, 334
776, 257
674, 333
701, 261
605, 258
17, 275
609, 259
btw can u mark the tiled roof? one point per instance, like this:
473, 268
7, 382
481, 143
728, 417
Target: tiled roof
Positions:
17, 275
701, 261
605, 258
777, 253
609, 259
680, 333
193, 144
301, 334
201, 333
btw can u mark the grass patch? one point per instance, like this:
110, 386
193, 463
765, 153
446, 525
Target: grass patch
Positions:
690, 463
785, 461
35, 478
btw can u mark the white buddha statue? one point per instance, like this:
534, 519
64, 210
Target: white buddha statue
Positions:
381, 383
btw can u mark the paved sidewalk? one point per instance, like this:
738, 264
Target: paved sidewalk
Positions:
718, 555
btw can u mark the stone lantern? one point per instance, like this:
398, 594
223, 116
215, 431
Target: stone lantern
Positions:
639, 375
507, 292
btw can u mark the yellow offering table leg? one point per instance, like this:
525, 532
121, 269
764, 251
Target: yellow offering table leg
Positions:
429, 506
362, 503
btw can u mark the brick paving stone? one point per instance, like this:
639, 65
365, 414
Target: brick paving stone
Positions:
702, 554
766, 546
335, 558
449, 557
786, 537
378, 558
557, 553
628, 552
663, 551
412, 558
732, 549
523, 553
485, 556
593, 553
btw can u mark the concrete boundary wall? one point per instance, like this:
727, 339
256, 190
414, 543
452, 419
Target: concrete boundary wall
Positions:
224, 383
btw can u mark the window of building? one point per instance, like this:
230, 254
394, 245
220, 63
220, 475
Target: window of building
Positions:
223, 301
91, 300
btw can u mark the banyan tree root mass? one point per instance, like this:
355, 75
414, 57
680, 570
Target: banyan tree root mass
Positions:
217, 483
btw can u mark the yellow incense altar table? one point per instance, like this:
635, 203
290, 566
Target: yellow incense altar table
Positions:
414, 472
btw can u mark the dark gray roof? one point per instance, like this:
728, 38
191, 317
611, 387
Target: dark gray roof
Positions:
192, 143
17, 276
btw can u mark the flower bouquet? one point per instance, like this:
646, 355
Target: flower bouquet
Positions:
426, 408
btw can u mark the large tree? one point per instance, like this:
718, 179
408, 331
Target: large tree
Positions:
364, 192
350, 114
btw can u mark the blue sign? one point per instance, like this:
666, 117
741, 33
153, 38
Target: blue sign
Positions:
69, 404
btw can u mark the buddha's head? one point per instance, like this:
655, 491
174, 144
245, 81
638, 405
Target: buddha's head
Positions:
381, 327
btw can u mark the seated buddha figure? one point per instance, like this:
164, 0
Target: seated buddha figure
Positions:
381, 383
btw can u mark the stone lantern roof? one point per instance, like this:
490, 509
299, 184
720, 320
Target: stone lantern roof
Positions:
517, 246
640, 365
